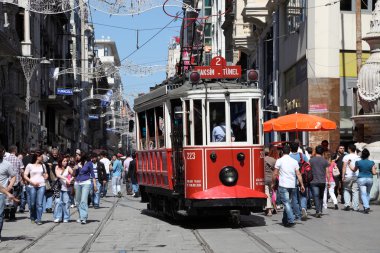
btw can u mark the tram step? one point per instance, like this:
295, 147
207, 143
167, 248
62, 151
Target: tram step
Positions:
182, 212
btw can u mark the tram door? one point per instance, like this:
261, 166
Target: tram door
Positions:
177, 144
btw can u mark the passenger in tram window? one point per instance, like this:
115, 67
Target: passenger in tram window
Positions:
219, 133
151, 145
239, 127
161, 125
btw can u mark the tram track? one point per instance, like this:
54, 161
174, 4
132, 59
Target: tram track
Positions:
265, 246
331, 249
39, 238
87, 246
206, 247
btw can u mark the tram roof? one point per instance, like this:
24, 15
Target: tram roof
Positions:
173, 90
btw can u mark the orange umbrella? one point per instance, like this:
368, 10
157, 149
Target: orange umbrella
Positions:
299, 122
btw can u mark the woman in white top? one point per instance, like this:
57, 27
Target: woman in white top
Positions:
35, 174
62, 204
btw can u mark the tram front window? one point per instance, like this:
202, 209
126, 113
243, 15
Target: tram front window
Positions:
238, 120
217, 122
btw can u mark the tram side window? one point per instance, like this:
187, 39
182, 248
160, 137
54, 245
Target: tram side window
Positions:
255, 121
142, 128
188, 123
238, 120
198, 133
217, 122
160, 123
151, 129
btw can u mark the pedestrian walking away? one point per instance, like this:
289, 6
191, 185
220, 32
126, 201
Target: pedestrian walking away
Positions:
320, 169
367, 169
132, 176
100, 179
7, 179
287, 169
126, 163
18, 168
107, 166
300, 199
117, 169
330, 182
349, 178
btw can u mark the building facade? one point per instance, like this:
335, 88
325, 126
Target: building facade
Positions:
38, 115
114, 120
305, 54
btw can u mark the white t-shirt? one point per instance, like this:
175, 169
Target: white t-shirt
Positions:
126, 163
106, 163
287, 167
353, 157
65, 174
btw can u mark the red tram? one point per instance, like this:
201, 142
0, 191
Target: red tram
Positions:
184, 163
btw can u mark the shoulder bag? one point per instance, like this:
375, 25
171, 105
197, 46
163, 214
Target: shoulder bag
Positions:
47, 182
335, 171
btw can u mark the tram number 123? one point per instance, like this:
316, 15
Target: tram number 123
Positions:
190, 155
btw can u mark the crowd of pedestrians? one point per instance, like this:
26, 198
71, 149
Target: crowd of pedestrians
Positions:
54, 182
298, 179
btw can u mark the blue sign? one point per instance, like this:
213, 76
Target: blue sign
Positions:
64, 91
106, 99
93, 116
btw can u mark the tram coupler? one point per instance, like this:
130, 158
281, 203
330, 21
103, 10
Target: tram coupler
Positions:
235, 216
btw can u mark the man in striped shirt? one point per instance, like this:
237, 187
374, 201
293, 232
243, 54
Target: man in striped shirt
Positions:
100, 178
18, 168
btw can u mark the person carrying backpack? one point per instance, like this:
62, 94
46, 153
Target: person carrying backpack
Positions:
320, 169
301, 198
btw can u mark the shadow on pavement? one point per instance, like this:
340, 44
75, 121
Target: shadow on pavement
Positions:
208, 222
17, 238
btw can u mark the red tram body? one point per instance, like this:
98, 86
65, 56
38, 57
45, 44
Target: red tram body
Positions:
182, 168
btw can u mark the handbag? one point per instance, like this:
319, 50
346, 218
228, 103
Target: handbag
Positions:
47, 182
335, 172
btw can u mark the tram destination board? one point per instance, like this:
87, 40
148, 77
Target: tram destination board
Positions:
218, 69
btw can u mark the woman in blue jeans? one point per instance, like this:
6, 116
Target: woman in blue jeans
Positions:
35, 174
83, 176
367, 169
62, 204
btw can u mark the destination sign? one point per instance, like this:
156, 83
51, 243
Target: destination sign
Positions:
218, 69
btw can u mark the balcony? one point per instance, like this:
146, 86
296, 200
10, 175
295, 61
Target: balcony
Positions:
244, 37
256, 11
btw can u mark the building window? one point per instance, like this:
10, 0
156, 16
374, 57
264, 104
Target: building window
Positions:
208, 41
106, 53
349, 5
295, 14
207, 60
207, 31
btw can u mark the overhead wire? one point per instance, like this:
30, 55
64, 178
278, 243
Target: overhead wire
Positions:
146, 42
134, 29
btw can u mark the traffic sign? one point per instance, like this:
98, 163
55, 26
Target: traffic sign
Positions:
218, 69
64, 91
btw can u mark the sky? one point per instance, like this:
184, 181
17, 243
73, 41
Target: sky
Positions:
155, 52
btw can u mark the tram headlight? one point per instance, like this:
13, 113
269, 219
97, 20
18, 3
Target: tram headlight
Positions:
228, 176
240, 157
213, 156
